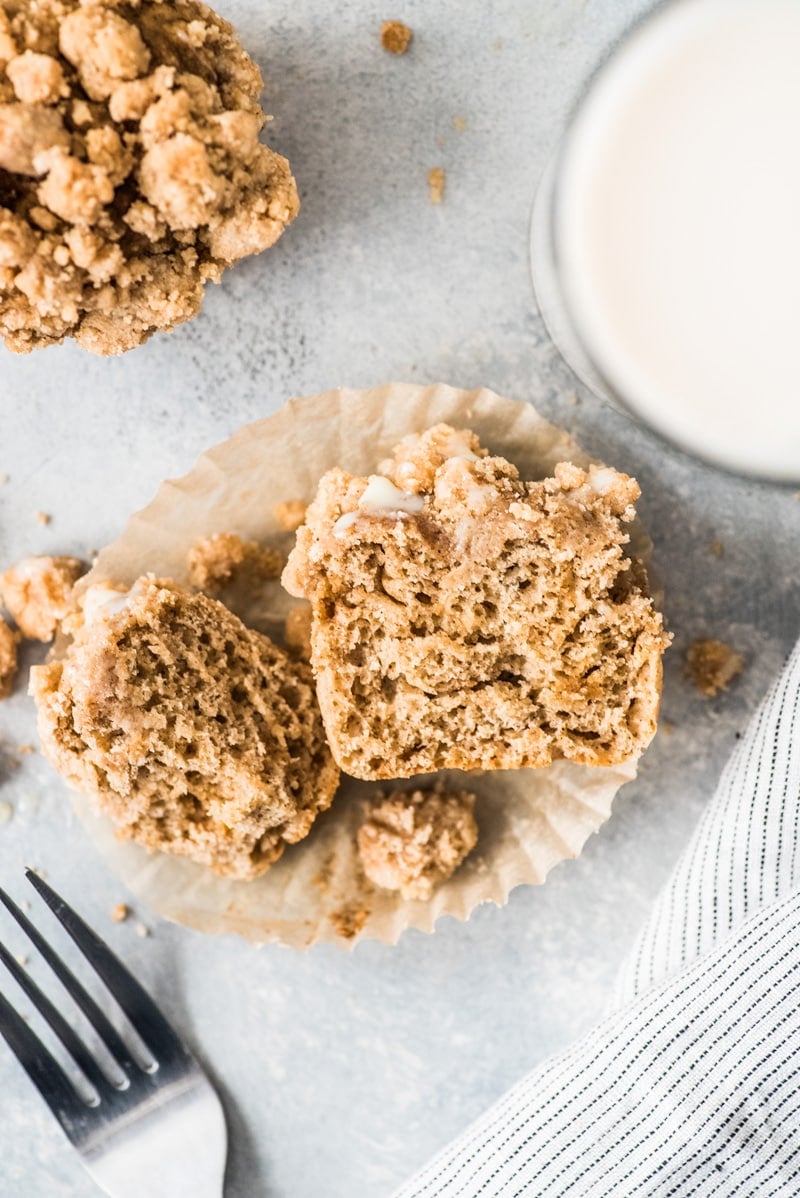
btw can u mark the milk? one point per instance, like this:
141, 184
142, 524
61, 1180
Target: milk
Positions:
677, 228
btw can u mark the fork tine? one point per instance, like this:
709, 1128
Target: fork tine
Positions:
68, 1037
136, 1003
100, 1022
42, 1068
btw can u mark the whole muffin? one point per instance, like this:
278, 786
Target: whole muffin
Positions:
130, 168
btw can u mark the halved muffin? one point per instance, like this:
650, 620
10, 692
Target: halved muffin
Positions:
463, 618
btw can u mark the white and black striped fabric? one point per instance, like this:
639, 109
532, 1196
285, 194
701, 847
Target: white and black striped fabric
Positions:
692, 1085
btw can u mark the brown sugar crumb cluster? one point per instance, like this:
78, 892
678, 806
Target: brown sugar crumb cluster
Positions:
196, 735
8, 659
463, 618
712, 666
130, 168
37, 591
215, 562
412, 842
396, 37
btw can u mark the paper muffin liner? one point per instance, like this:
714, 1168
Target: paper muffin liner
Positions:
528, 820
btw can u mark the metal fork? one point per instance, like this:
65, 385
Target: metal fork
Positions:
157, 1132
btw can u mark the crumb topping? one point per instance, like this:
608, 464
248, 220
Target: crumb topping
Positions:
37, 592
130, 168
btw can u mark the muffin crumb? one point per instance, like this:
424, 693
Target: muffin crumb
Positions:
224, 558
413, 841
716, 549
44, 518
120, 913
349, 920
712, 665
6, 812
291, 514
460, 123
142, 930
38, 591
396, 37
297, 632
8, 659
436, 184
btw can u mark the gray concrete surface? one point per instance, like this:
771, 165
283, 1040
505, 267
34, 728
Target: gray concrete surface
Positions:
342, 1073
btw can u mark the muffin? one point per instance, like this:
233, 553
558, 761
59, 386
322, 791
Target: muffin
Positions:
463, 618
131, 172
195, 734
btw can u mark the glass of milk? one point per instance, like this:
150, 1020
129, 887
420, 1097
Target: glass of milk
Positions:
666, 234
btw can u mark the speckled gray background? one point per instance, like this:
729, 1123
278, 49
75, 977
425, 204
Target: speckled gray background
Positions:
341, 1073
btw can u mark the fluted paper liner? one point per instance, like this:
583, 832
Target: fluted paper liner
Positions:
529, 820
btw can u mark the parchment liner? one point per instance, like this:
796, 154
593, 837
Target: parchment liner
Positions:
529, 820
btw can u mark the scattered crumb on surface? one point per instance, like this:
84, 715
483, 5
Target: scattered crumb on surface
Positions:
6, 812
8, 659
120, 913
396, 37
24, 905
666, 726
349, 920
25, 750
142, 930
225, 557
459, 123
43, 517
712, 665
290, 515
436, 184
297, 632
412, 841
716, 548
4, 478
37, 591
22, 960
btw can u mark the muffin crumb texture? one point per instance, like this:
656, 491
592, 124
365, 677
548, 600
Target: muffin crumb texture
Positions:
217, 561
38, 592
712, 665
412, 842
130, 168
396, 37
465, 619
196, 735
8, 659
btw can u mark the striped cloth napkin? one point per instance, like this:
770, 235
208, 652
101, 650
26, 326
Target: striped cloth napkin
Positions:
691, 1086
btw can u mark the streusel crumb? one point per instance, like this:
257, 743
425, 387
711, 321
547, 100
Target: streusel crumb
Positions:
216, 561
436, 184
131, 171
8, 659
712, 665
396, 37
414, 841
290, 515
37, 592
